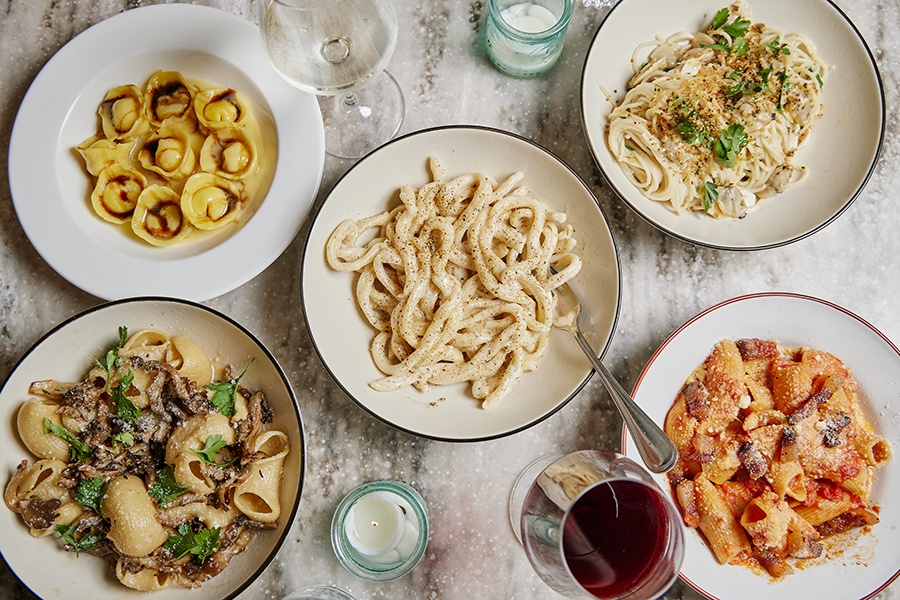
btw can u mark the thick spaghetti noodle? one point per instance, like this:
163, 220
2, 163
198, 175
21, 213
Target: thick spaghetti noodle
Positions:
711, 120
458, 282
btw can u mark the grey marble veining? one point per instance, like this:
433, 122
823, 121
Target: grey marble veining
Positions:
447, 79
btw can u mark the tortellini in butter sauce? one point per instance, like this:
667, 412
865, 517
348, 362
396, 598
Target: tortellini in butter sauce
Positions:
174, 157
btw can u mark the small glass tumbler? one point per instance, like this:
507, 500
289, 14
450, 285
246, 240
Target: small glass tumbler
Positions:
380, 530
525, 38
320, 592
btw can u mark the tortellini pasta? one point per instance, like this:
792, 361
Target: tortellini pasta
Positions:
157, 216
116, 193
210, 202
160, 136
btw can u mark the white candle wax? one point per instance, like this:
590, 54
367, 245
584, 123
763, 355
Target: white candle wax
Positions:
528, 17
374, 524
382, 526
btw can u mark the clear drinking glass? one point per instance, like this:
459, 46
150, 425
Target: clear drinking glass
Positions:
595, 525
338, 49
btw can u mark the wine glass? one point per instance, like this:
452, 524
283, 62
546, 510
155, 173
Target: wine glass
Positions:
594, 524
337, 49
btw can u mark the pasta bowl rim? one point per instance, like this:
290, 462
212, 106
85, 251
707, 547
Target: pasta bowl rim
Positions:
802, 212
110, 585
660, 379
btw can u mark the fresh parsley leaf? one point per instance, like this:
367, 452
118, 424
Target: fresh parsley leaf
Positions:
710, 195
111, 359
179, 545
90, 493
224, 393
201, 544
125, 408
206, 542
211, 447
126, 438
87, 541
738, 28
730, 143
720, 18
165, 487
776, 47
740, 46
78, 450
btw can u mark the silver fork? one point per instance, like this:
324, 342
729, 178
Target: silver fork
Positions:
656, 449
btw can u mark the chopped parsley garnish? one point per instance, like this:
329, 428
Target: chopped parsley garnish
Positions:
125, 408
126, 438
710, 195
165, 487
90, 493
736, 30
776, 47
730, 143
86, 542
211, 447
201, 544
690, 124
224, 393
78, 450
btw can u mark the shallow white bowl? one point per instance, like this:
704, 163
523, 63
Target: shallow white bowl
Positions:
64, 354
840, 153
51, 189
342, 337
865, 564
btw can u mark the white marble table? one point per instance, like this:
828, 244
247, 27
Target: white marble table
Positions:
447, 80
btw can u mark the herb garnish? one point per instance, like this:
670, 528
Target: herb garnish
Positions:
734, 30
201, 544
165, 487
126, 438
211, 447
224, 393
730, 143
125, 408
90, 493
78, 450
87, 541
710, 195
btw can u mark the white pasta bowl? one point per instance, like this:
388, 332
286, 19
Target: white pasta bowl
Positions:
342, 336
51, 190
839, 155
855, 564
65, 353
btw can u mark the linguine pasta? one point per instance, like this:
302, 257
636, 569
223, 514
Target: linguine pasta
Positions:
457, 281
711, 120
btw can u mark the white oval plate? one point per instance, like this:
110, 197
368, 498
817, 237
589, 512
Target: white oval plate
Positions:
869, 562
51, 189
342, 337
840, 153
65, 354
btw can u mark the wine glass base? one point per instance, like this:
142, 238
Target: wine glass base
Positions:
360, 120
521, 488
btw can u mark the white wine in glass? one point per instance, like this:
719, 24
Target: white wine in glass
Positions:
338, 49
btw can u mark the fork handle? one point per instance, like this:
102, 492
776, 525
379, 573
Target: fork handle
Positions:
656, 449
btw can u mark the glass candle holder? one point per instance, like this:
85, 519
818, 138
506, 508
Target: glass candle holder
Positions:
380, 530
525, 37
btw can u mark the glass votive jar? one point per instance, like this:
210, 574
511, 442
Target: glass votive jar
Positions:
379, 530
320, 592
525, 37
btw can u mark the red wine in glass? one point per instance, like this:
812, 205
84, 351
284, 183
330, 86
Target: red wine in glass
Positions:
614, 536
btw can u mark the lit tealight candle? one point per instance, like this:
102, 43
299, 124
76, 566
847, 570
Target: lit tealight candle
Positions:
379, 530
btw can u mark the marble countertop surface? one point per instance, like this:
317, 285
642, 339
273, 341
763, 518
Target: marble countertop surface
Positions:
447, 79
